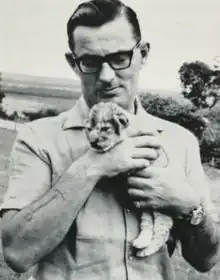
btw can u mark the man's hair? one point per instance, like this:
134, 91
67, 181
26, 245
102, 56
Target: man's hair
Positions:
95, 13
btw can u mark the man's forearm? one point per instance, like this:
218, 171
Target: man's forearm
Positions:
201, 243
42, 225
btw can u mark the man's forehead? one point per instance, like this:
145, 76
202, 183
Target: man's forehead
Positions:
110, 37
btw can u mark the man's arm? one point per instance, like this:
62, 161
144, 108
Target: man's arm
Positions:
38, 224
200, 244
180, 191
35, 230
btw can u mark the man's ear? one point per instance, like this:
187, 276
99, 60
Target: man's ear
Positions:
116, 125
70, 60
145, 49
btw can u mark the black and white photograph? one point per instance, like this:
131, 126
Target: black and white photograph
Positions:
109, 140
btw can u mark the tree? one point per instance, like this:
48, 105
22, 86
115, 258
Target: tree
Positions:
211, 90
210, 140
180, 111
2, 95
201, 84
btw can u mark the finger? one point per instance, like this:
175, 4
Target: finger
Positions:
139, 164
137, 194
146, 153
141, 204
134, 132
152, 141
140, 182
163, 159
170, 155
146, 203
149, 173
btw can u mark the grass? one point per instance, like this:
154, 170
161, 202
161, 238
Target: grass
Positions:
183, 270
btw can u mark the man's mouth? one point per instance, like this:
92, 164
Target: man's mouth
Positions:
109, 92
110, 89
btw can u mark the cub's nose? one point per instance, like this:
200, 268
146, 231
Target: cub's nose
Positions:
93, 141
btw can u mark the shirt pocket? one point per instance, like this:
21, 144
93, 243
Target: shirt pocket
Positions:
97, 259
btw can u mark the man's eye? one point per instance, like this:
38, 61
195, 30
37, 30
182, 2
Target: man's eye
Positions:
120, 58
90, 61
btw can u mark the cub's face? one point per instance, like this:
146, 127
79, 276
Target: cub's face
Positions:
105, 126
102, 136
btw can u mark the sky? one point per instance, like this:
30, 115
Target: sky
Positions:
33, 37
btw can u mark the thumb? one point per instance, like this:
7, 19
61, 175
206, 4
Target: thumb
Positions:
169, 155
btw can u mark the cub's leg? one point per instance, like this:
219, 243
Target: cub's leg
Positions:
146, 231
161, 232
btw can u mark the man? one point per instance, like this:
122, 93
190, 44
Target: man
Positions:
65, 210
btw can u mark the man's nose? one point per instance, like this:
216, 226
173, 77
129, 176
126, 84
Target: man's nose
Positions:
106, 73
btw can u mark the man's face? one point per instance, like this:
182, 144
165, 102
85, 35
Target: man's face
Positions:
107, 84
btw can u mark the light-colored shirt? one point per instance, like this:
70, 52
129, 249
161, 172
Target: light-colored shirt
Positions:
99, 243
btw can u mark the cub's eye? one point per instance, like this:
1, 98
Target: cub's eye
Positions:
88, 126
106, 128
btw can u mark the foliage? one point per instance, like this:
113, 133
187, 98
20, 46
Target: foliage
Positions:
204, 123
210, 140
200, 83
28, 115
3, 114
2, 94
42, 113
180, 111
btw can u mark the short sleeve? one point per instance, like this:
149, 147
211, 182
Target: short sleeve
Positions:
29, 171
197, 177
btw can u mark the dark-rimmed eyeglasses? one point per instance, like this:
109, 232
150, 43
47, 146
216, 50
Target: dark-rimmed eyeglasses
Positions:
89, 64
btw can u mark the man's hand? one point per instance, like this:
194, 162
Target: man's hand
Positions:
163, 188
133, 154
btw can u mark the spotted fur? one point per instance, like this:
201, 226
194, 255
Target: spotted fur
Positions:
105, 128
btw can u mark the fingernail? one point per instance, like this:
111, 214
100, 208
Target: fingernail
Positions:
147, 164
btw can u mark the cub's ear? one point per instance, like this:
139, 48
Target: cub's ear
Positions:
123, 120
120, 122
88, 125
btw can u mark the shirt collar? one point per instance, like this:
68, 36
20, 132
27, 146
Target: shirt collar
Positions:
77, 116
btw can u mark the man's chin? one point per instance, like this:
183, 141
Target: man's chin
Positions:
109, 98
120, 100
115, 99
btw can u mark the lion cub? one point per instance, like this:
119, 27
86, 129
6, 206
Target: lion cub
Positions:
105, 127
